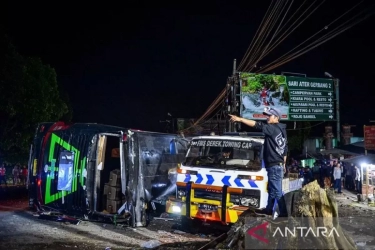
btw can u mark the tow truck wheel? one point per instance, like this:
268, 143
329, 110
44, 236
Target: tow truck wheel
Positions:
188, 224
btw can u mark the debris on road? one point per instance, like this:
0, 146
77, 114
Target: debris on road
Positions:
150, 244
316, 206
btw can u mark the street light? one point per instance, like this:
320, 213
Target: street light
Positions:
328, 74
336, 81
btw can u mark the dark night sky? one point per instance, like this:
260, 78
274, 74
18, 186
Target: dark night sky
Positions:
130, 64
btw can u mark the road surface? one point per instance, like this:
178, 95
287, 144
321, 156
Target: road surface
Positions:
22, 229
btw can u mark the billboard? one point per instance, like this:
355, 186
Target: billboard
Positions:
369, 134
296, 98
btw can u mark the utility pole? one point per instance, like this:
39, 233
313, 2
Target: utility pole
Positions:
230, 100
228, 107
170, 121
336, 83
234, 93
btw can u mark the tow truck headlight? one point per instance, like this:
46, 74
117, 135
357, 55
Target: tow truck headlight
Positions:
250, 201
181, 193
176, 209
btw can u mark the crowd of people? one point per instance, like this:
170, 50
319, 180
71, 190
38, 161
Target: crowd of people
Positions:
17, 173
330, 174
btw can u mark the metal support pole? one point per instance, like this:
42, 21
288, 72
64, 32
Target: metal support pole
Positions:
367, 180
234, 90
228, 111
233, 94
337, 81
231, 98
239, 102
232, 106
234, 102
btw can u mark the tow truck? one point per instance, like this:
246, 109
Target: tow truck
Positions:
221, 177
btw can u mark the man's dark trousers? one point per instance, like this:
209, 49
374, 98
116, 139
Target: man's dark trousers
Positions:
275, 191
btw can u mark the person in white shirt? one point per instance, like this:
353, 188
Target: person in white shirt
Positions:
337, 177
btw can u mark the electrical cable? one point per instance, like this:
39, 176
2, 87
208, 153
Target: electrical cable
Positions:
320, 41
259, 54
282, 28
269, 26
209, 110
285, 34
260, 35
276, 31
249, 49
324, 28
213, 108
200, 122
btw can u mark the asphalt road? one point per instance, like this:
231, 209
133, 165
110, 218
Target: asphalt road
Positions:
22, 229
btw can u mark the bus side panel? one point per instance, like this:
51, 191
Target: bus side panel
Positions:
36, 149
63, 182
33, 165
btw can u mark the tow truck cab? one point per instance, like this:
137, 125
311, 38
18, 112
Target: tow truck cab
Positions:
221, 177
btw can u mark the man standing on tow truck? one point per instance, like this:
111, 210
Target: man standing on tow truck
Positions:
274, 155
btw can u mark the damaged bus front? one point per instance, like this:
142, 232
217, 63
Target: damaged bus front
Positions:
94, 171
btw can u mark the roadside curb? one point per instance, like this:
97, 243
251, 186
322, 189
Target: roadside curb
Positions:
352, 200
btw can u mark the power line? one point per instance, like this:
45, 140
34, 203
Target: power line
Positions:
213, 105
295, 12
324, 28
255, 52
255, 38
258, 52
276, 32
286, 34
268, 28
320, 41
197, 123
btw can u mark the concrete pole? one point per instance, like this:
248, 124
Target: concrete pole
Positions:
337, 81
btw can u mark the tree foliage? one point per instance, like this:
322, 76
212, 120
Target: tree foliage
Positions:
252, 83
29, 95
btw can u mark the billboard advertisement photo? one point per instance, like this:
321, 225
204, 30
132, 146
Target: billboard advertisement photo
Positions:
296, 98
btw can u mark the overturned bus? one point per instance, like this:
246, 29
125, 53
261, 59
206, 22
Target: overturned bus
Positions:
92, 170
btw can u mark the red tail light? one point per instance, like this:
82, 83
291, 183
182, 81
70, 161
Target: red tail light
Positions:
124, 137
39, 182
